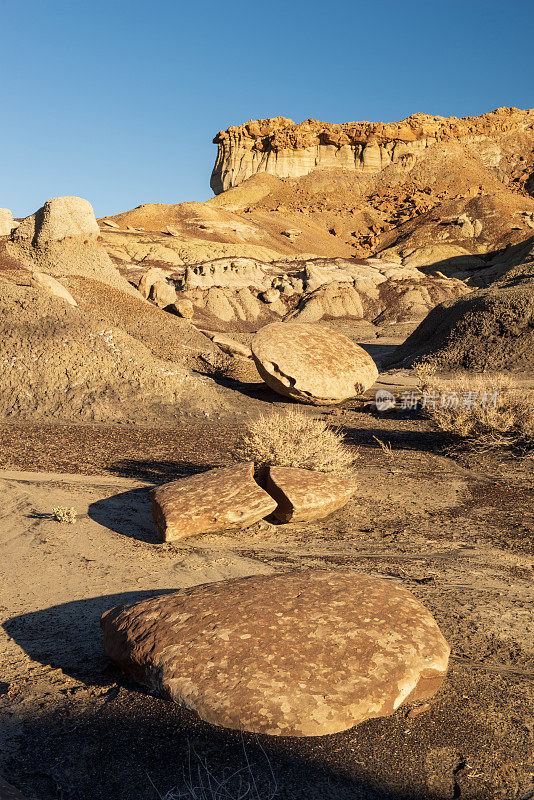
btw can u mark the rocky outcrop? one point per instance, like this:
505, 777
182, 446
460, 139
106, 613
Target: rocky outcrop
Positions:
312, 364
293, 654
60, 362
376, 291
7, 223
234, 273
456, 235
229, 345
151, 276
230, 306
288, 150
183, 307
60, 218
62, 238
371, 290
163, 294
41, 281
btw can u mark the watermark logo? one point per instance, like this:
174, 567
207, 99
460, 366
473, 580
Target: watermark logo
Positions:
431, 400
384, 400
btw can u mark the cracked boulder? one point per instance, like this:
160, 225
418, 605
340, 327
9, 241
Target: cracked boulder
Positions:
303, 495
290, 654
220, 499
311, 363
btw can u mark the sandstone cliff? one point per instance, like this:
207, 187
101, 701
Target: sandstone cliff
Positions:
280, 147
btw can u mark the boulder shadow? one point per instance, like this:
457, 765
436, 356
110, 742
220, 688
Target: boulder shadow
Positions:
68, 636
421, 441
128, 513
378, 352
148, 749
254, 391
157, 470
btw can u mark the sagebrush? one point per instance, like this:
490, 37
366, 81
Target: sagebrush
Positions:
292, 438
483, 412
64, 514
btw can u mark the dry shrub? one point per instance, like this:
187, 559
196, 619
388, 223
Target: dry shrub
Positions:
294, 439
484, 412
253, 780
64, 514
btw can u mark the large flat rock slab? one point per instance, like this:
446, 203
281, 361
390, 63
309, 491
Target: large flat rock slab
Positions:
311, 363
223, 498
291, 654
303, 495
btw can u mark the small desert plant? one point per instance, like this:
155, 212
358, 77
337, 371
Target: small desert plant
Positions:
64, 514
293, 438
424, 371
386, 448
201, 782
483, 412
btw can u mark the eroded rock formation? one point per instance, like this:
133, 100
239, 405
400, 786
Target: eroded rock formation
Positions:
281, 147
63, 238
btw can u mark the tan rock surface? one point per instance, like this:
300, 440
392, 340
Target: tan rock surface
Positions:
184, 307
62, 238
270, 296
230, 346
163, 293
41, 281
59, 218
303, 495
236, 273
312, 364
292, 654
71, 364
151, 276
223, 498
7, 223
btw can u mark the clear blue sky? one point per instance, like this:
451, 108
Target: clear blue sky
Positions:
118, 101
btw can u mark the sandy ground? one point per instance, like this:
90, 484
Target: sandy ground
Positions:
458, 534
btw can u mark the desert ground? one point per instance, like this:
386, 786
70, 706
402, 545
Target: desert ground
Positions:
111, 387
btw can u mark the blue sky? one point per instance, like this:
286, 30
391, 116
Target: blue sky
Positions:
118, 102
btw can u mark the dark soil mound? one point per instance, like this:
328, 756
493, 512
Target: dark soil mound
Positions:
492, 328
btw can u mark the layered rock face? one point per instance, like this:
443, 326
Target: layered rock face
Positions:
280, 147
249, 292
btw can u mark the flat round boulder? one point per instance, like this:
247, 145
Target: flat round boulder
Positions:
291, 654
311, 363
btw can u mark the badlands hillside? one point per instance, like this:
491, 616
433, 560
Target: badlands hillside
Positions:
270, 457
